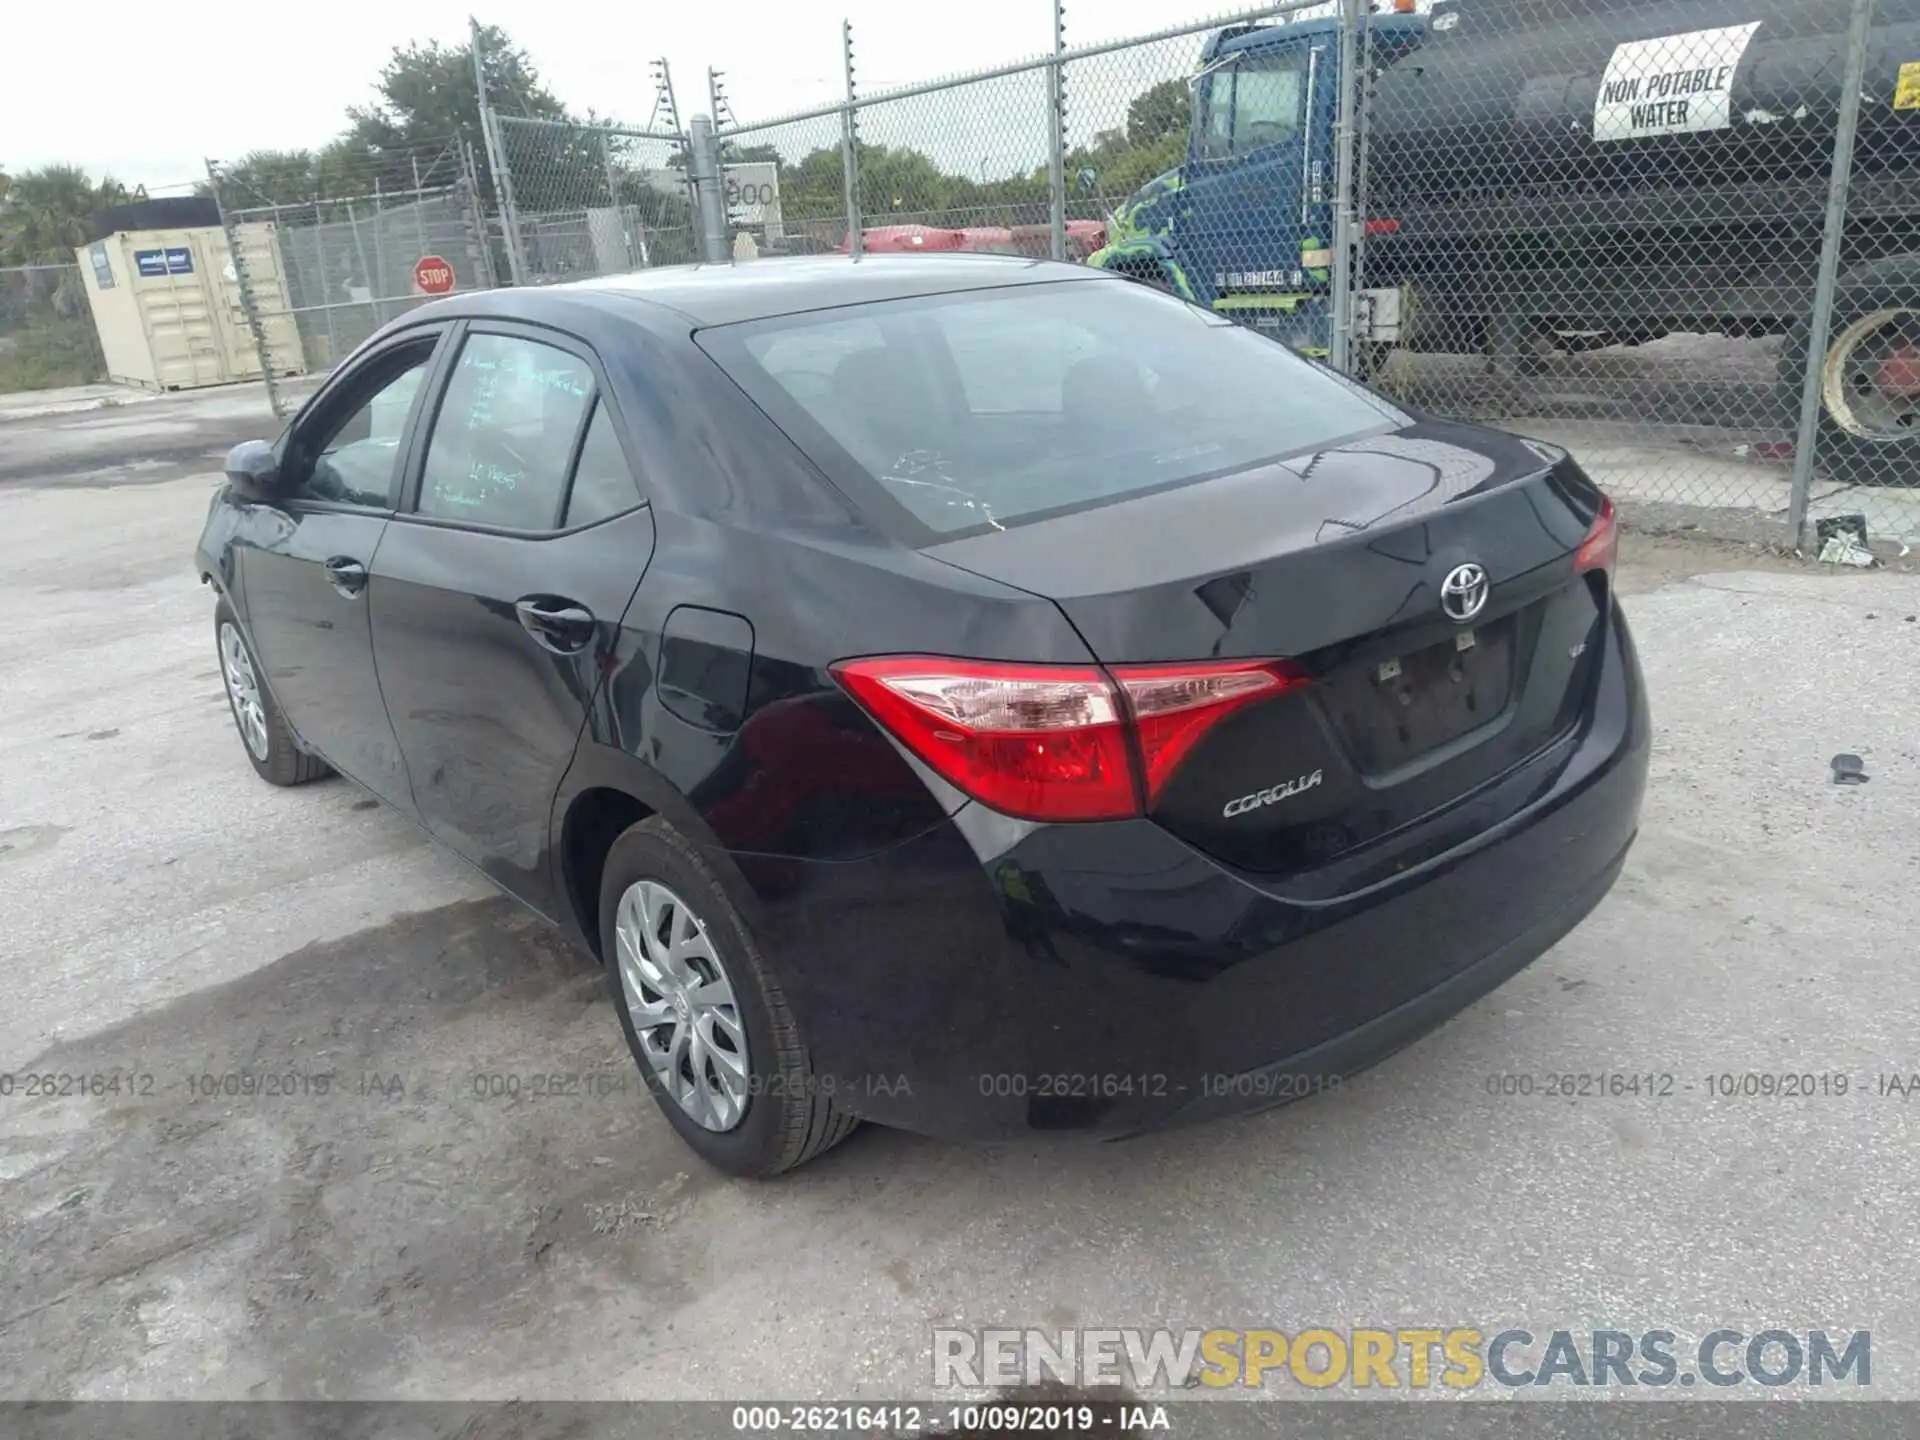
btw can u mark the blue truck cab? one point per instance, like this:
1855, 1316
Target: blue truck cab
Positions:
1245, 224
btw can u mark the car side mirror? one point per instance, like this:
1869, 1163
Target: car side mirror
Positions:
253, 470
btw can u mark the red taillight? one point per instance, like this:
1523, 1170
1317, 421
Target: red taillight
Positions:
1055, 742
1045, 742
1602, 545
1174, 705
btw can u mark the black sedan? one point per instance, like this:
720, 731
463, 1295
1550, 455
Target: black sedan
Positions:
971, 694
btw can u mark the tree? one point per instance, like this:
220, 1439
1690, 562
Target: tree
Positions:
270, 177
732, 154
428, 99
901, 182
1158, 112
1135, 165
47, 213
813, 190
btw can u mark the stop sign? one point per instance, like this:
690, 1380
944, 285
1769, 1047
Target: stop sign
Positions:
433, 275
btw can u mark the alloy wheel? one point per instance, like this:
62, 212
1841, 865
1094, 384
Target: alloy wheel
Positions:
681, 1002
243, 689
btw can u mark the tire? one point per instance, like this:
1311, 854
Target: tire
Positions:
1853, 444
778, 1115
264, 734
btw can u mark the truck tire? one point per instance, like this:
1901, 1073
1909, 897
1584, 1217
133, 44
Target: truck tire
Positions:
1869, 431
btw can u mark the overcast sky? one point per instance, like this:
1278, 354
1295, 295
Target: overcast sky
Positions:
148, 93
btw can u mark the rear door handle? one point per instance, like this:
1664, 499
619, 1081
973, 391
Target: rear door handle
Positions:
562, 626
346, 575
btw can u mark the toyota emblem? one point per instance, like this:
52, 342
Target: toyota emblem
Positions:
1463, 594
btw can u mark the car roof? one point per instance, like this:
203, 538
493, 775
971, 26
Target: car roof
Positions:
786, 285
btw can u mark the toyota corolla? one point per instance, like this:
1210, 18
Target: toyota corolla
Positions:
969, 694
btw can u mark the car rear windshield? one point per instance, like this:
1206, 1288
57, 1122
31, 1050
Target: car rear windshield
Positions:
982, 410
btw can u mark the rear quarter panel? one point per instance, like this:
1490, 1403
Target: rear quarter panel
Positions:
805, 775
794, 772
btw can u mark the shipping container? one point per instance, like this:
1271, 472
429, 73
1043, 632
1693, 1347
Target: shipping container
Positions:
168, 308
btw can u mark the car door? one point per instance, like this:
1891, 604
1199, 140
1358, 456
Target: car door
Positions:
305, 557
499, 588
1255, 188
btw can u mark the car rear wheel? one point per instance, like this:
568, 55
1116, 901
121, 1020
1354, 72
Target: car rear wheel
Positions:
275, 755
704, 1013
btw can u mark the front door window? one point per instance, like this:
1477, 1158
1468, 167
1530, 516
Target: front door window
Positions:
1253, 104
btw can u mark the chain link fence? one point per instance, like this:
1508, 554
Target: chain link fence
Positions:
373, 237
805, 158
1604, 227
988, 169
1680, 239
1857, 357
47, 337
592, 200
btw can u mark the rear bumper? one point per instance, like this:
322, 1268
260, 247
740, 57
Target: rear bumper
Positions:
1311, 1071
992, 979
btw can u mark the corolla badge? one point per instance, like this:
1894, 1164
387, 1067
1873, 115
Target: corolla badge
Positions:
1271, 796
1463, 594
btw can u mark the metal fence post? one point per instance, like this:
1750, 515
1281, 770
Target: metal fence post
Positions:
1340, 340
477, 218
716, 107
613, 196
1057, 137
850, 146
706, 183
419, 220
665, 104
497, 161
275, 401
1820, 322
366, 267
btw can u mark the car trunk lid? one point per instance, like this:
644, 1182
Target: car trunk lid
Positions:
1356, 564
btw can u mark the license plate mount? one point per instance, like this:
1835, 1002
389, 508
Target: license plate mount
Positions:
1392, 711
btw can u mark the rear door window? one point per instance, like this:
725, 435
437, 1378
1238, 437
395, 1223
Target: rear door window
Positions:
603, 483
959, 413
505, 433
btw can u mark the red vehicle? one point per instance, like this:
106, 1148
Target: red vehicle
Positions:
1083, 238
